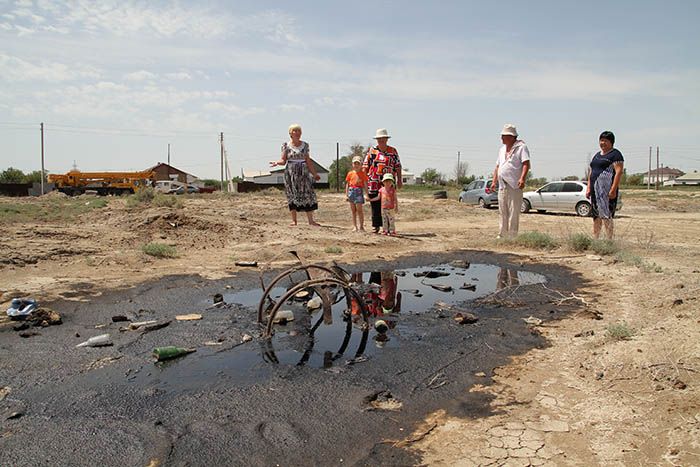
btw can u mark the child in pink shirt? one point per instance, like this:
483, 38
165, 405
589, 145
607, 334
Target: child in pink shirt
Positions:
390, 204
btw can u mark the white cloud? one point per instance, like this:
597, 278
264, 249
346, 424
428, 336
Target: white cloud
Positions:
15, 69
167, 20
141, 75
292, 108
180, 76
232, 110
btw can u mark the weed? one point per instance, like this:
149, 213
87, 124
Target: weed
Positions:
150, 196
536, 240
160, 250
620, 331
637, 261
168, 201
604, 247
333, 250
144, 196
63, 209
580, 242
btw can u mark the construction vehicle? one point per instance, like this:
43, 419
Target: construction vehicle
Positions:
103, 183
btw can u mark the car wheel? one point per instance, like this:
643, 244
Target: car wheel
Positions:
461, 200
525, 206
583, 209
482, 203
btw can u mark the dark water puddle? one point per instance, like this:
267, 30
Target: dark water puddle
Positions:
402, 298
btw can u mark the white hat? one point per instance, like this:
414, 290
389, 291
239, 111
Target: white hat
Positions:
509, 129
357, 159
381, 133
388, 177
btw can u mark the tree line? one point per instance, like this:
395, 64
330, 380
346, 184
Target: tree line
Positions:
12, 175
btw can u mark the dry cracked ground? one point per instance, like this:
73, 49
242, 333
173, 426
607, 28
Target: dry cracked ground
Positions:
618, 384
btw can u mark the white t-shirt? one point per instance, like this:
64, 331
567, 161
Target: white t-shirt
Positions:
510, 165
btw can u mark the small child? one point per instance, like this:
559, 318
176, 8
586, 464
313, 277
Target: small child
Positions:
355, 187
390, 204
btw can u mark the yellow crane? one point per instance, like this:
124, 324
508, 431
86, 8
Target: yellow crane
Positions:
104, 183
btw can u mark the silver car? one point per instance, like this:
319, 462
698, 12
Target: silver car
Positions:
479, 192
566, 196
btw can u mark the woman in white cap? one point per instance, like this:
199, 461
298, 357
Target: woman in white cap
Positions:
380, 159
509, 176
298, 181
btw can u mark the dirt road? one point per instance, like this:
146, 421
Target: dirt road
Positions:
622, 389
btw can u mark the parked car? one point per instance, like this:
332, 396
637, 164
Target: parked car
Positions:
170, 187
479, 192
192, 189
566, 196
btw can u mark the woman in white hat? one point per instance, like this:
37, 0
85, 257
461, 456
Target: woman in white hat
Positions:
380, 159
298, 181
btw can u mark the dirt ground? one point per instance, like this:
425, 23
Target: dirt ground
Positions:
587, 399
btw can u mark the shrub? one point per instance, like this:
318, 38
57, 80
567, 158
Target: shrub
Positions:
168, 201
604, 247
160, 250
536, 240
619, 331
333, 249
144, 196
580, 242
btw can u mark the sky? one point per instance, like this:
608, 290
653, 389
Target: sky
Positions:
116, 82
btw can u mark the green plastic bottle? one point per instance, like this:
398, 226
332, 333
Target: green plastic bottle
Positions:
166, 353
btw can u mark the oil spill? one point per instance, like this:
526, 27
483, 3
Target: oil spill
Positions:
397, 297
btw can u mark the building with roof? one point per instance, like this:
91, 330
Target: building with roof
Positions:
691, 178
259, 179
164, 171
661, 175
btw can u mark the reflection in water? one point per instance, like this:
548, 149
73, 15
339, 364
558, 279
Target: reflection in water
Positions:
314, 339
507, 278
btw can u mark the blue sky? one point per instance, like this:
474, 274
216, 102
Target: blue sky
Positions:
116, 81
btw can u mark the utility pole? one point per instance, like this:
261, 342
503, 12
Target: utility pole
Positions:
222, 161
337, 167
649, 171
459, 169
42, 158
657, 167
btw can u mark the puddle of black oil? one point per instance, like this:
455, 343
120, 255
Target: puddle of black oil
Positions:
390, 295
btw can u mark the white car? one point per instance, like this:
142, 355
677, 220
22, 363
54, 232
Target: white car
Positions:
170, 187
566, 196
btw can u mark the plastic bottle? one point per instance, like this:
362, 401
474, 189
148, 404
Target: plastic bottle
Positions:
97, 341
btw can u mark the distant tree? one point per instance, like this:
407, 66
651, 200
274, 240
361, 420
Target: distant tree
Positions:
12, 175
572, 178
530, 180
33, 177
467, 180
460, 172
211, 182
344, 165
635, 179
432, 176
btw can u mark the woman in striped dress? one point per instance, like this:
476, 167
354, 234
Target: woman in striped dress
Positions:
299, 176
603, 183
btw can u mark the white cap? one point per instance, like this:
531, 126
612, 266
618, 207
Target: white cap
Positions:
509, 129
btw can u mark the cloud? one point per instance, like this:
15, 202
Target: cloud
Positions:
15, 69
141, 75
232, 110
179, 76
292, 108
166, 20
